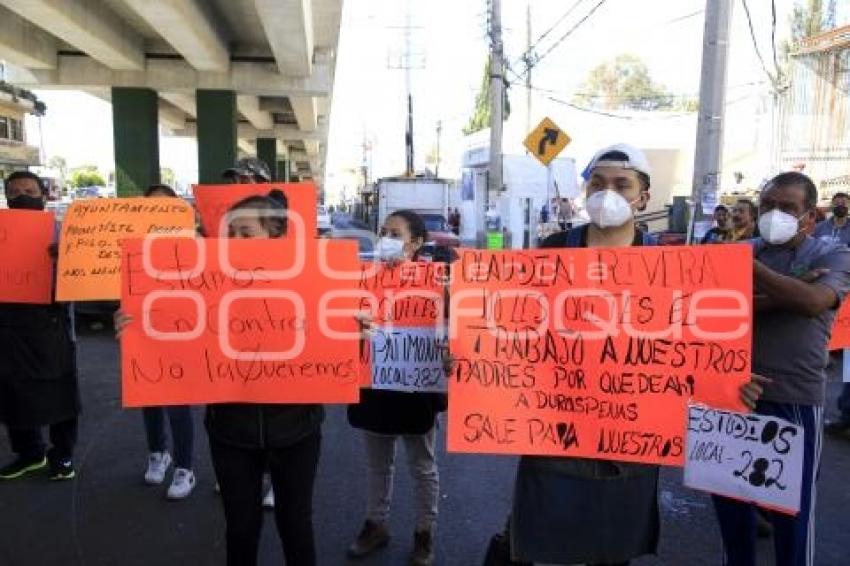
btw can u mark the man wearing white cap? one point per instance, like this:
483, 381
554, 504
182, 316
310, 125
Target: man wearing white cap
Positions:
585, 511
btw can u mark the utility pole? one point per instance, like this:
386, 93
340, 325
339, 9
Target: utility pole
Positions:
406, 62
528, 65
439, 134
497, 102
708, 156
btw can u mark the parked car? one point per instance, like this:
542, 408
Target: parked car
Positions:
365, 241
438, 230
323, 220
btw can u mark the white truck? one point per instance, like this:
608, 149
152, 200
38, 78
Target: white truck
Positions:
424, 195
428, 196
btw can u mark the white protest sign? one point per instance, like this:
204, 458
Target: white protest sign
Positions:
755, 458
408, 359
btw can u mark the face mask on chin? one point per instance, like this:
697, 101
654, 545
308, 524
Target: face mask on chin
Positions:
26, 202
609, 209
777, 227
840, 211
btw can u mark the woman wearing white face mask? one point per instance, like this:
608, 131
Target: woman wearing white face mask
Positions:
387, 416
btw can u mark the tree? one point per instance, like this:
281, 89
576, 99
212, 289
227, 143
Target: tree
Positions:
167, 176
58, 164
625, 83
86, 176
807, 20
480, 118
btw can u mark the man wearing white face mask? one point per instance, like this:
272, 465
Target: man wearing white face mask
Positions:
586, 511
799, 282
583, 511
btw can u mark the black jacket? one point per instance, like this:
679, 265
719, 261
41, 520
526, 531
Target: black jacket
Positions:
38, 369
246, 425
398, 412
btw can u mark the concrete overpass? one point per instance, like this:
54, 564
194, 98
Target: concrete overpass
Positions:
243, 76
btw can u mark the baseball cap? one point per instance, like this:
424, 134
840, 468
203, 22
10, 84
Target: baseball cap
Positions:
635, 160
249, 166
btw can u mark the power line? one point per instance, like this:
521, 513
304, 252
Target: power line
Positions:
546, 33
563, 37
773, 38
755, 43
685, 17
546, 94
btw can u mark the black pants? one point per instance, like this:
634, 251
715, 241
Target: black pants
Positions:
29, 444
240, 475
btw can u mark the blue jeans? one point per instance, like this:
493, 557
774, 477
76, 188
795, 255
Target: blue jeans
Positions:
793, 536
182, 432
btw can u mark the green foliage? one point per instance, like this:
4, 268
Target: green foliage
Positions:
625, 83
58, 164
86, 176
480, 118
167, 176
807, 20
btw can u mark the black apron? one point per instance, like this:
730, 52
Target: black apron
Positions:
38, 370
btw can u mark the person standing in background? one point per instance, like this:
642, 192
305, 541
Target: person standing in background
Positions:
38, 367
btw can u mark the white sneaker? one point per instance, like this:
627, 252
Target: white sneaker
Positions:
158, 464
268, 500
182, 484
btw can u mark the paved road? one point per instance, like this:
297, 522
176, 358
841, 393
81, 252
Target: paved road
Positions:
108, 517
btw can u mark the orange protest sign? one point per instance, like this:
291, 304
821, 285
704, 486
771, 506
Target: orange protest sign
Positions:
406, 301
26, 272
257, 321
595, 352
213, 201
89, 266
840, 337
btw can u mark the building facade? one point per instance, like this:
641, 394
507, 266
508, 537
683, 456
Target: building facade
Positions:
15, 151
814, 132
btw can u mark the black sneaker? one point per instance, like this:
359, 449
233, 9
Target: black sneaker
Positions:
62, 469
21, 467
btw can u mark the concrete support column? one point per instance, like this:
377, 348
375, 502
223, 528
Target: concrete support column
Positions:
267, 151
135, 134
217, 127
283, 170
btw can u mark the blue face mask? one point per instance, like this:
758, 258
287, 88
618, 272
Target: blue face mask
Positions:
26, 202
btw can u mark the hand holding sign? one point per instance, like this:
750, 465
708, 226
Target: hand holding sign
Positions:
89, 248
756, 458
405, 343
26, 272
595, 352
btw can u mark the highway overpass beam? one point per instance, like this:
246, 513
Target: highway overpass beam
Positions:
216, 133
136, 139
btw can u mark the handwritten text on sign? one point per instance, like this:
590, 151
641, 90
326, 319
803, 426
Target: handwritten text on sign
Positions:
238, 321
26, 270
750, 457
407, 302
595, 352
89, 250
